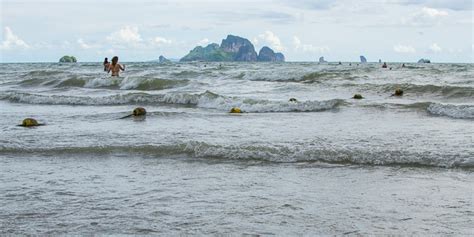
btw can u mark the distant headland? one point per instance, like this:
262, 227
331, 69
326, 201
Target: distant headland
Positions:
232, 49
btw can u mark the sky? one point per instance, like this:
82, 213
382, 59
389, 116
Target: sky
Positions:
303, 30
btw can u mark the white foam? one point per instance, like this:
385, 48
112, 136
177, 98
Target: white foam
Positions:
207, 100
453, 111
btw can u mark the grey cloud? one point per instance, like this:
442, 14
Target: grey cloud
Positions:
457, 5
271, 16
310, 4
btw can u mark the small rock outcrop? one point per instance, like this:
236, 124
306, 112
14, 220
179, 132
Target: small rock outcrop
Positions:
424, 60
266, 54
68, 59
280, 57
321, 60
363, 59
162, 59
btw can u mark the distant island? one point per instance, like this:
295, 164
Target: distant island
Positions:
162, 59
68, 59
424, 60
232, 49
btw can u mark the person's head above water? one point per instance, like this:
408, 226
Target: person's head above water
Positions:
114, 60
106, 60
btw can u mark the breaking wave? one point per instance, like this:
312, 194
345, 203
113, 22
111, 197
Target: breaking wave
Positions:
126, 83
204, 100
453, 111
445, 90
273, 153
446, 110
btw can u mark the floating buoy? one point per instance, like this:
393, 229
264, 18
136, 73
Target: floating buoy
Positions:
136, 112
235, 110
29, 122
357, 97
292, 100
139, 111
398, 92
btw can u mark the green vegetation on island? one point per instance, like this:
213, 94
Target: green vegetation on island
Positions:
68, 59
233, 48
211, 53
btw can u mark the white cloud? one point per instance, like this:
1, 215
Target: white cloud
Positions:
160, 41
271, 39
126, 35
204, 42
404, 49
432, 12
83, 44
425, 17
435, 48
12, 41
308, 47
296, 42
457, 5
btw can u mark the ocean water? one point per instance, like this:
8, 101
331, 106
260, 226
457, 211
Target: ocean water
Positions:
326, 164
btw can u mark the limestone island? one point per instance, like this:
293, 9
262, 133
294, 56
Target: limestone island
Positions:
232, 49
162, 59
424, 60
68, 59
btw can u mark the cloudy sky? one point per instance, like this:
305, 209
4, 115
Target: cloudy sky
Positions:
304, 30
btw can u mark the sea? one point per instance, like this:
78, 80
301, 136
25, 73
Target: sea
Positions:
321, 163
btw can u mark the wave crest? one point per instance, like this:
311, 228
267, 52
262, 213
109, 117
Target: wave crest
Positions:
207, 100
273, 153
453, 111
126, 83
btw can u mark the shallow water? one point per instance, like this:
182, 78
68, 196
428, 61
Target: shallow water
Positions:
118, 194
326, 164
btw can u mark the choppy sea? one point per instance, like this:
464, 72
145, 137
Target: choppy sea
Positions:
324, 164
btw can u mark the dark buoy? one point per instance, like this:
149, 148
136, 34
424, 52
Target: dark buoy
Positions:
136, 112
235, 110
357, 97
292, 100
139, 111
398, 92
29, 122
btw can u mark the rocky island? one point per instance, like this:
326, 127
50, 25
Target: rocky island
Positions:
162, 59
68, 59
424, 60
232, 49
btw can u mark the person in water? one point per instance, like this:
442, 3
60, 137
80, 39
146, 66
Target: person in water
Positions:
384, 65
106, 64
115, 67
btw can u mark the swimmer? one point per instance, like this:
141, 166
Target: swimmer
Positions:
106, 64
115, 67
384, 65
